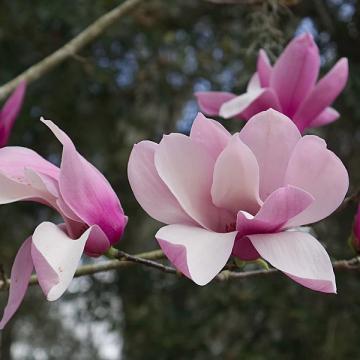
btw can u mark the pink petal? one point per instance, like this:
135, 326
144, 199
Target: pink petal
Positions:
280, 206
149, 189
295, 72
25, 175
236, 179
249, 104
320, 172
80, 181
97, 244
211, 101
20, 277
298, 255
187, 169
271, 136
210, 133
323, 94
357, 226
254, 83
198, 253
244, 249
56, 258
12, 191
327, 116
264, 68
10, 111
14, 159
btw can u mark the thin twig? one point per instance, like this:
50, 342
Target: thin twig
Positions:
71, 48
147, 259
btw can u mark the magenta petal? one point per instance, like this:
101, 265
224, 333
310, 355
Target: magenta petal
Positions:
280, 207
317, 170
210, 133
236, 179
97, 243
244, 249
327, 116
271, 136
20, 276
211, 101
198, 253
149, 189
295, 72
357, 226
299, 256
323, 94
186, 167
264, 68
10, 111
80, 181
56, 257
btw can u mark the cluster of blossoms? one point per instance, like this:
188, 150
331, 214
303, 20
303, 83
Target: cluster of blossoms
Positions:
244, 195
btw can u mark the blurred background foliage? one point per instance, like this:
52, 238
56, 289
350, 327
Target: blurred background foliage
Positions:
136, 82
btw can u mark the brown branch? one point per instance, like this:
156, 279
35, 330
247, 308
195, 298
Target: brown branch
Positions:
147, 259
71, 48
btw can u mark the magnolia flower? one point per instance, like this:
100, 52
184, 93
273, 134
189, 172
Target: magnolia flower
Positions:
9, 113
244, 195
355, 239
289, 87
93, 217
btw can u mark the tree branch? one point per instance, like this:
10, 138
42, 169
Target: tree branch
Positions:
71, 48
147, 259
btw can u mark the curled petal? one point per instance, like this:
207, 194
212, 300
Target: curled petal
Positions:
250, 104
295, 72
20, 277
56, 257
198, 253
271, 136
280, 207
80, 181
211, 101
299, 256
150, 190
317, 170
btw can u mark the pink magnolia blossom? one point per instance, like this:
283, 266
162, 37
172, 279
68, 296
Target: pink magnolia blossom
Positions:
9, 113
289, 87
356, 232
243, 195
93, 217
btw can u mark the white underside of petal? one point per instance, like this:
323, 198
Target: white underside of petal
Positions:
61, 253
